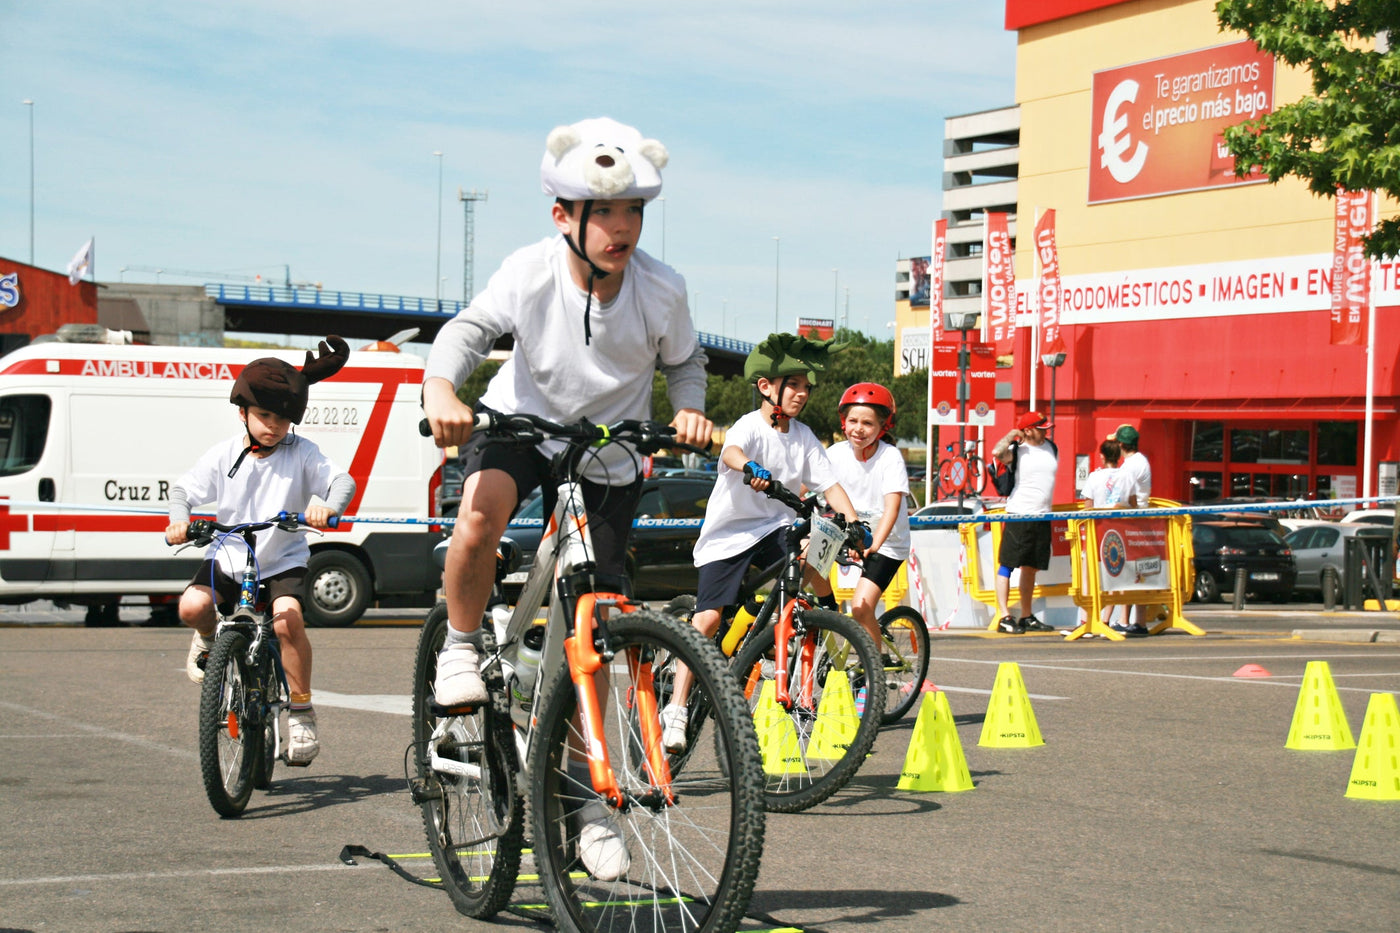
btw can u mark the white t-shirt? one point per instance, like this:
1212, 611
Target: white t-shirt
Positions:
868, 482
552, 373
1035, 480
737, 517
1104, 488
1136, 475
260, 489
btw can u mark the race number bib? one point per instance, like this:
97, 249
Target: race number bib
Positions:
824, 544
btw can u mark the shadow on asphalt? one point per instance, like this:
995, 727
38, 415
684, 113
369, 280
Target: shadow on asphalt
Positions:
294, 792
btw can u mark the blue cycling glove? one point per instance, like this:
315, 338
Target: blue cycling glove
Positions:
753, 470
866, 538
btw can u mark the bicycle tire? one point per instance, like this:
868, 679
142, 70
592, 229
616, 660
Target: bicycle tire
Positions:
977, 475
474, 825
230, 734
795, 777
946, 485
263, 764
904, 637
711, 836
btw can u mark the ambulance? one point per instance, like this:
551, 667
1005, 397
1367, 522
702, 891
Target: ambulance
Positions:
94, 435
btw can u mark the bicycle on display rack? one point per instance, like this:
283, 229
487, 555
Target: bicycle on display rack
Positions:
584, 734
789, 658
961, 473
244, 697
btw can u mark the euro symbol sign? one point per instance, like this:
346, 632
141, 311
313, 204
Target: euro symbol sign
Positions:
1114, 139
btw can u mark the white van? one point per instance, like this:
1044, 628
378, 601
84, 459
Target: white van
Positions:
93, 434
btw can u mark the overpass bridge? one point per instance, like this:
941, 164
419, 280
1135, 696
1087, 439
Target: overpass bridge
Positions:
366, 316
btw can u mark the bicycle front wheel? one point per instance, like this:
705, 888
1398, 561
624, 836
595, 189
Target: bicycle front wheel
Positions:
813, 748
976, 476
230, 725
687, 864
951, 475
472, 813
904, 656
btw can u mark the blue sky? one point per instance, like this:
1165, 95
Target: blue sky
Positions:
235, 138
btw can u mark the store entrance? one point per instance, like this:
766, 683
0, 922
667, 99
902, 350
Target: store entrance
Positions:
1257, 460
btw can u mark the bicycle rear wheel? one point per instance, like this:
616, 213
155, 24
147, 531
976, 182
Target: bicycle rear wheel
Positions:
811, 750
904, 653
472, 814
976, 475
230, 725
691, 864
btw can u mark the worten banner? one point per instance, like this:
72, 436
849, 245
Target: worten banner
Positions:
1157, 126
1048, 257
1351, 270
982, 383
999, 285
937, 267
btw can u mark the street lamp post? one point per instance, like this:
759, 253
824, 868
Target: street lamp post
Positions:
1054, 358
30, 104
835, 296
777, 255
437, 274
962, 321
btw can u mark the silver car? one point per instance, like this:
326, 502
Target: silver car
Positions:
1320, 551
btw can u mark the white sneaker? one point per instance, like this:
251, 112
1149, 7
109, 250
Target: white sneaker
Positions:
459, 680
674, 719
199, 654
600, 842
302, 744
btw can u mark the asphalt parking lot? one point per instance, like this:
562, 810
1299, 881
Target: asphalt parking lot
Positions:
1163, 799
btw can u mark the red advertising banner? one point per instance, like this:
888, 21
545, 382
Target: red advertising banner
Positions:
943, 383
1156, 125
999, 287
816, 328
1351, 270
1049, 258
937, 267
1133, 555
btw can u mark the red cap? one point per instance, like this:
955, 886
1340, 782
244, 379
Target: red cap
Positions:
1033, 419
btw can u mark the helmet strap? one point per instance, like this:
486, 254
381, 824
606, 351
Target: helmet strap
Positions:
779, 417
594, 273
252, 448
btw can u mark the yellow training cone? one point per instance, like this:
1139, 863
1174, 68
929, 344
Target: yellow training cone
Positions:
1375, 774
1010, 721
777, 737
935, 758
1319, 722
837, 720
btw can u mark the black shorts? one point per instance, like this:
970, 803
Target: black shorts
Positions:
610, 508
879, 569
1025, 544
720, 580
226, 589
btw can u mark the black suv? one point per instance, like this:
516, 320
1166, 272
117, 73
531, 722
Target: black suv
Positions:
1222, 546
660, 558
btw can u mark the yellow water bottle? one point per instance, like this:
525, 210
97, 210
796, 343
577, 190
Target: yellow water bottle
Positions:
743, 620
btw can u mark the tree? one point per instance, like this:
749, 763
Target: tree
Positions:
1347, 135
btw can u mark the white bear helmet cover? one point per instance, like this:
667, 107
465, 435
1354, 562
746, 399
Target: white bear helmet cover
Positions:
601, 159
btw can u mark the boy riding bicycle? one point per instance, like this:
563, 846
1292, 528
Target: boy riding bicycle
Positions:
593, 318
259, 472
872, 472
741, 527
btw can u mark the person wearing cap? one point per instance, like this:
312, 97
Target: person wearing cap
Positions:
593, 318
264, 469
1035, 459
1135, 479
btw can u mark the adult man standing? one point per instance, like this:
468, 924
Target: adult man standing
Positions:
1135, 481
1034, 458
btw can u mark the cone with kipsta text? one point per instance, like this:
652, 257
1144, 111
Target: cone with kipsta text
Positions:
1319, 722
1010, 721
935, 758
777, 737
837, 720
1375, 774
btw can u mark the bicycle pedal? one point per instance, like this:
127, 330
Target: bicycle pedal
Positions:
442, 712
295, 764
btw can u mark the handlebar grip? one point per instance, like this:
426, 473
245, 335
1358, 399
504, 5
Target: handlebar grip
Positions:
482, 420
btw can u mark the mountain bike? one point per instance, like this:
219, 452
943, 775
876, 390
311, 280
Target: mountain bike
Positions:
787, 662
961, 472
244, 696
694, 841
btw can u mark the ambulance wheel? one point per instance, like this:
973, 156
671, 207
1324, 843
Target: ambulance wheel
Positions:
102, 615
338, 589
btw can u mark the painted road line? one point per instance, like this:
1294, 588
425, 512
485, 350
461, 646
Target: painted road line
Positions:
101, 732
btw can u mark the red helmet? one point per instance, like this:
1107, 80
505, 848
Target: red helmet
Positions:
869, 393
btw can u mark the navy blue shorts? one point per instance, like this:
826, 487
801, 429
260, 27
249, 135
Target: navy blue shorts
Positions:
720, 580
1025, 544
227, 589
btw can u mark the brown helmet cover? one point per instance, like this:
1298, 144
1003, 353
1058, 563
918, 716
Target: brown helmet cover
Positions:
280, 387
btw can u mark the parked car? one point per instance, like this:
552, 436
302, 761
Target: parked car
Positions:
449, 492
1223, 546
944, 509
1370, 517
660, 558
1320, 553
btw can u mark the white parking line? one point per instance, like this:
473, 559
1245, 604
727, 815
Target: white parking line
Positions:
399, 705
86, 729
191, 873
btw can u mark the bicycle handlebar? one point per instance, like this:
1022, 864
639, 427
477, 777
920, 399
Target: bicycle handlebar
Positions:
647, 436
202, 530
857, 533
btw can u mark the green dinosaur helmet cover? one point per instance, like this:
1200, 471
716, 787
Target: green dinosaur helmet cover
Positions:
782, 355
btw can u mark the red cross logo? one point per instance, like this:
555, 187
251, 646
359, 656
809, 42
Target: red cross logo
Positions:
9, 523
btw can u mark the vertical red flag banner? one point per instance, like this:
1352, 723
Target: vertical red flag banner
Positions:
999, 288
937, 267
1049, 258
1351, 270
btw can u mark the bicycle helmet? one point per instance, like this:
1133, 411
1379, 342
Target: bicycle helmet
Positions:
599, 159
780, 356
281, 388
872, 394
